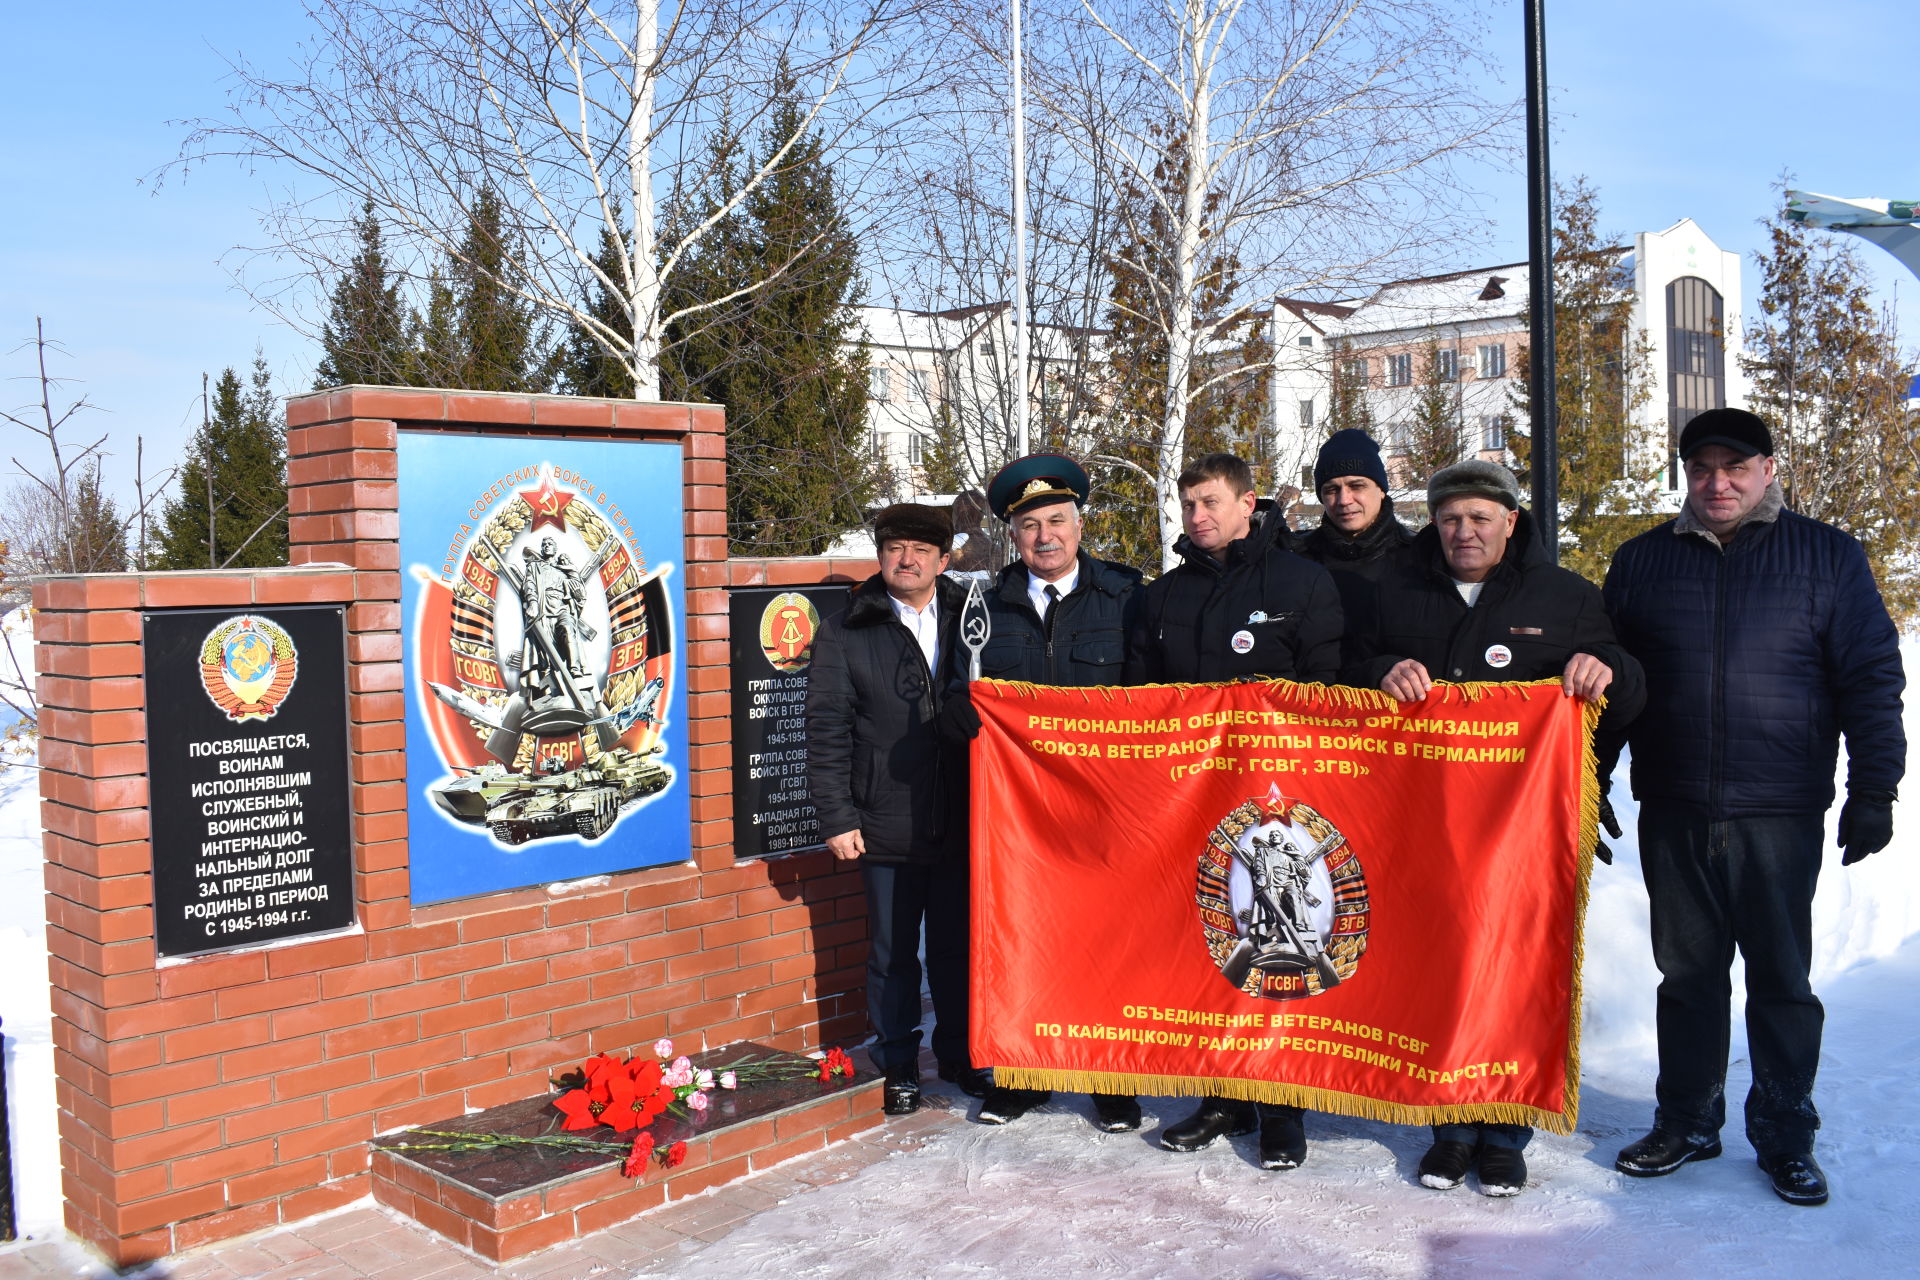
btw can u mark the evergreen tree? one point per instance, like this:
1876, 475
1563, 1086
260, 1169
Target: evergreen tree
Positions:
585, 367
365, 337
1829, 377
498, 344
232, 504
1608, 480
1347, 381
98, 531
1436, 437
779, 278
1225, 415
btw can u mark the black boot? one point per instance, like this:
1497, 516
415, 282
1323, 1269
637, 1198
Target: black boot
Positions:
1283, 1136
1663, 1151
1003, 1105
1796, 1178
1216, 1118
1445, 1165
1503, 1170
971, 1080
901, 1096
1115, 1112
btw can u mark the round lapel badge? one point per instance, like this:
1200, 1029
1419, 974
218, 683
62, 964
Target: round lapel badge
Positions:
1498, 655
1242, 641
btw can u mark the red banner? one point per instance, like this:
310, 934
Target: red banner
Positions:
1287, 893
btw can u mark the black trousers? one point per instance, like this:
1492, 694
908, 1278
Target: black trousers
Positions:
902, 899
1717, 887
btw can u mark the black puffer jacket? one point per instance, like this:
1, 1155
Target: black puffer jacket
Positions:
1530, 618
1758, 657
875, 762
1263, 612
1357, 563
1086, 641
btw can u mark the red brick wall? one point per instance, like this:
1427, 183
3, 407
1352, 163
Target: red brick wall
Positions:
217, 1095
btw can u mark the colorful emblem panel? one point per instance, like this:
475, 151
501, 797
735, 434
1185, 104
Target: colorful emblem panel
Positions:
543, 605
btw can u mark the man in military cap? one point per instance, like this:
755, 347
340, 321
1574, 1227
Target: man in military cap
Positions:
1059, 617
892, 797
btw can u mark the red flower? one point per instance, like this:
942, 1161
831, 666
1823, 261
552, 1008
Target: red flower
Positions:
836, 1063
578, 1108
635, 1164
645, 1075
621, 1116
675, 1154
654, 1103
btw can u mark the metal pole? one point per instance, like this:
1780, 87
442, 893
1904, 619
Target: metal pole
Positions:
1545, 413
7, 1220
1020, 441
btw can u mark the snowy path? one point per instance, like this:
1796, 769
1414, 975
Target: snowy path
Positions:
1048, 1195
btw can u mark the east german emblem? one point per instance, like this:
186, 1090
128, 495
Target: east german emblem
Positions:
548, 664
1282, 900
787, 627
247, 666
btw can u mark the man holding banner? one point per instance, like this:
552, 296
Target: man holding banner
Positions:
1058, 617
1238, 604
1476, 600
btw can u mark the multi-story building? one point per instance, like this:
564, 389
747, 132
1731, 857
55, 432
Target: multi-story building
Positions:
948, 371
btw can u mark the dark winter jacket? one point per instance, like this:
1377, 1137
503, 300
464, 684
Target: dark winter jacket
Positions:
1758, 657
1263, 612
875, 761
1357, 563
1085, 641
1530, 618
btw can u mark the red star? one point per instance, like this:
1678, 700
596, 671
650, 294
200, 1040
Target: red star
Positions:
1279, 805
547, 503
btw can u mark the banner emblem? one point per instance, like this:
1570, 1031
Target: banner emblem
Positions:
1282, 900
247, 666
787, 627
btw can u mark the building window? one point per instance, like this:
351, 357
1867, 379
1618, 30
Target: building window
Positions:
916, 448
1447, 361
1696, 357
1399, 370
1306, 414
879, 385
917, 384
1306, 341
1355, 369
1399, 437
1493, 432
1493, 360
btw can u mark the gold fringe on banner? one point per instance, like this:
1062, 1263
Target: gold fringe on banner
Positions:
1329, 1100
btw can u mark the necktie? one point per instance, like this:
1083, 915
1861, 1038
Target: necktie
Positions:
1053, 598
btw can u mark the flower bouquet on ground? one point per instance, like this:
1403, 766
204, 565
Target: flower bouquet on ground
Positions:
628, 1095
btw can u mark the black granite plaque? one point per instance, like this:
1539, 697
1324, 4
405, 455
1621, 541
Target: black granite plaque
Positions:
247, 772
771, 650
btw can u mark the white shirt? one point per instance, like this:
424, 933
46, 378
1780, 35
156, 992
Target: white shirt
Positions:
1063, 587
925, 625
1469, 591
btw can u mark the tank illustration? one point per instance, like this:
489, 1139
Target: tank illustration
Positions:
585, 800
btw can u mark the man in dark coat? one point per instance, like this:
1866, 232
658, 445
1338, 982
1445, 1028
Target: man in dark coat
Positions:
1059, 617
1764, 639
1358, 535
1238, 604
892, 797
1475, 598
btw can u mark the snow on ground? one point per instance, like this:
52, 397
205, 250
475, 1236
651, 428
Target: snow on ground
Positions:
1049, 1194
25, 1011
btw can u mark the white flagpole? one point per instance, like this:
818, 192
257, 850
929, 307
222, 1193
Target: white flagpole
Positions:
1020, 435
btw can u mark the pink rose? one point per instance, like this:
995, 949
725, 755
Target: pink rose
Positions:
663, 1049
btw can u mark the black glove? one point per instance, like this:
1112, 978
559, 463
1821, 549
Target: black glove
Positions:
1612, 825
1866, 825
959, 722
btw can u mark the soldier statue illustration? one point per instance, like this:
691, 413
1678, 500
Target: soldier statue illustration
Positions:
1275, 913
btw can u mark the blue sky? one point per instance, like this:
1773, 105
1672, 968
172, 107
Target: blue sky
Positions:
1673, 109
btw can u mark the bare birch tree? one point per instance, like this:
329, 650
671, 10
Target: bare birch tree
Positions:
1318, 136
584, 117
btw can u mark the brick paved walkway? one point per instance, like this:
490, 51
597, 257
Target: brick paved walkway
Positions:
368, 1243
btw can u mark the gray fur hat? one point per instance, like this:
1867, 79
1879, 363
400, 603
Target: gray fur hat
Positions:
1473, 478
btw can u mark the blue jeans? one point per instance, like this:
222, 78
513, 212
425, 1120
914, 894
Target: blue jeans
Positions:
901, 898
1715, 887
